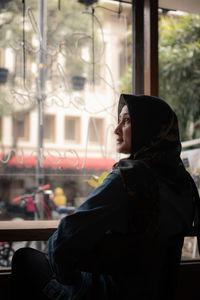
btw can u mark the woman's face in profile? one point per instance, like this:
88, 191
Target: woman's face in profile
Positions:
123, 132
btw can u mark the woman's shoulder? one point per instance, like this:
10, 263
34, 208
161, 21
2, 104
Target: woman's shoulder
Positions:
131, 164
133, 168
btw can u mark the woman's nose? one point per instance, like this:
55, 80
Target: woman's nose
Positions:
117, 129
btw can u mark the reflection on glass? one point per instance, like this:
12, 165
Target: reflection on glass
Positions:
60, 79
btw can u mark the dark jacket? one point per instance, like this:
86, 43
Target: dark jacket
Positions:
124, 242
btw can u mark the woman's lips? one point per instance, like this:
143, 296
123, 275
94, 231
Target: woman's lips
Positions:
119, 141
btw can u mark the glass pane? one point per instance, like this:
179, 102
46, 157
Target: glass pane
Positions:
179, 54
61, 73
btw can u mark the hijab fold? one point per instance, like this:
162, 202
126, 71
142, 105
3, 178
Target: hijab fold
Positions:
155, 137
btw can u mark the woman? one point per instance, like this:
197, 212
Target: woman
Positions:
124, 242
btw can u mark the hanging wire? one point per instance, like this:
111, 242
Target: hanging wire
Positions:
93, 42
23, 41
119, 8
59, 5
93, 50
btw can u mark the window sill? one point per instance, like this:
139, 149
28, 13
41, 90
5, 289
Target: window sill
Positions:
27, 230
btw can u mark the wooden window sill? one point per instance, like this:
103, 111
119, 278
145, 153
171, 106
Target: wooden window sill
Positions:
27, 230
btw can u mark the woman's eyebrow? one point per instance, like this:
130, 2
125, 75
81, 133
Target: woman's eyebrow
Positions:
124, 114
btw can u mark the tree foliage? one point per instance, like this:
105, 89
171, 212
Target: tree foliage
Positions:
179, 68
125, 83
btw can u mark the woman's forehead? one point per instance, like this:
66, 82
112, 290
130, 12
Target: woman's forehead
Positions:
124, 110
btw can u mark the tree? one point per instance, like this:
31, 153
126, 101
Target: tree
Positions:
179, 62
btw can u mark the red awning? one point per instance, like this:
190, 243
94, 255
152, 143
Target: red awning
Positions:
64, 163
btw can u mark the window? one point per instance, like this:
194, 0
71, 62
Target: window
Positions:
49, 128
86, 50
21, 126
72, 129
95, 130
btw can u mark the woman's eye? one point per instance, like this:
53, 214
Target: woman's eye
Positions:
126, 120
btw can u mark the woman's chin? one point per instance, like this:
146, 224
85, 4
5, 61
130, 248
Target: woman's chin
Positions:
118, 150
122, 151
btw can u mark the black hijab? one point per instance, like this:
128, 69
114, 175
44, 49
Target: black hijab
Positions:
155, 136
156, 143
